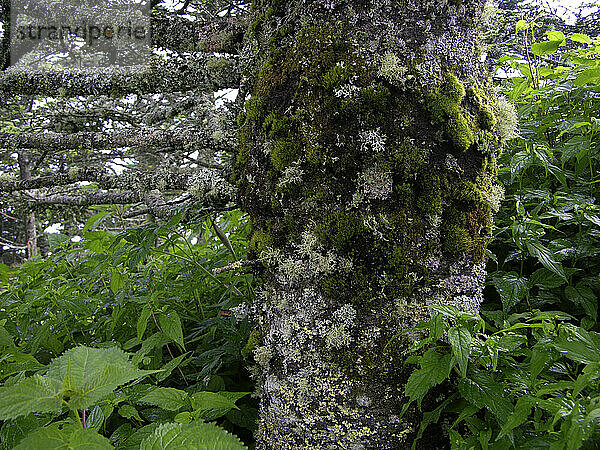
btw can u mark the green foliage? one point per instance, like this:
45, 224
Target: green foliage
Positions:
79, 329
526, 373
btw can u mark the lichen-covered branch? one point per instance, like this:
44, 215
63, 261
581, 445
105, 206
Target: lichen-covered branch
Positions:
199, 72
145, 138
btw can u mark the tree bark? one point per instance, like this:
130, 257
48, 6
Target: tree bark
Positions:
30, 231
366, 162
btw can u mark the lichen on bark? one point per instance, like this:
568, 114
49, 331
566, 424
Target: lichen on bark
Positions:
367, 163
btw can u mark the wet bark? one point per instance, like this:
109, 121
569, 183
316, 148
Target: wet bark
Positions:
366, 162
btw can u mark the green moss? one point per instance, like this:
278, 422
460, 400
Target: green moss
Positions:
468, 192
260, 241
430, 201
284, 153
252, 342
459, 132
453, 88
339, 228
487, 119
457, 240
335, 77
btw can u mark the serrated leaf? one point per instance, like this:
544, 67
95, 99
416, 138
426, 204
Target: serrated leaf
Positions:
95, 373
210, 405
584, 296
171, 325
72, 438
546, 279
460, 339
134, 440
129, 412
34, 394
512, 289
14, 430
481, 390
200, 436
170, 399
435, 368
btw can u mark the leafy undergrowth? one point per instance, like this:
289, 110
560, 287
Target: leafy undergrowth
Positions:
525, 373
129, 341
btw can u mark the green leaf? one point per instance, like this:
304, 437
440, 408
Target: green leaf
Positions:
435, 368
197, 436
142, 322
14, 430
129, 412
546, 279
482, 391
460, 340
210, 405
71, 438
581, 38
521, 25
584, 296
546, 47
170, 366
170, 399
171, 326
579, 345
94, 373
134, 440
519, 415
588, 76
117, 281
35, 394
545, 256
512, 289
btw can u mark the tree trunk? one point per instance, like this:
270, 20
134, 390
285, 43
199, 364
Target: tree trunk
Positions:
366, 162
30, 232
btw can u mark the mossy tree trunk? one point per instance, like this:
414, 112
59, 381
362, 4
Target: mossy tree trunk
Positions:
366, 162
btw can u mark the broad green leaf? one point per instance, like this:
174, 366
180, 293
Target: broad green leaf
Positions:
540, 356
584, 296
95, 373
167, 398
581, 38
545, 256
512, 289
588, 76
70, 438
579, 345
481, 390
117, 281
34, 394
460, 340
210, 405
546, 47
435, 368
521, 25
134, 440
14, 430
129, 412
171, 326
546, 279
193, 436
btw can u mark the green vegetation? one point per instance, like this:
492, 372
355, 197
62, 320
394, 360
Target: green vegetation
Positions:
525, 372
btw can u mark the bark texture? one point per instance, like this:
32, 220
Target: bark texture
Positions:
366, 162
